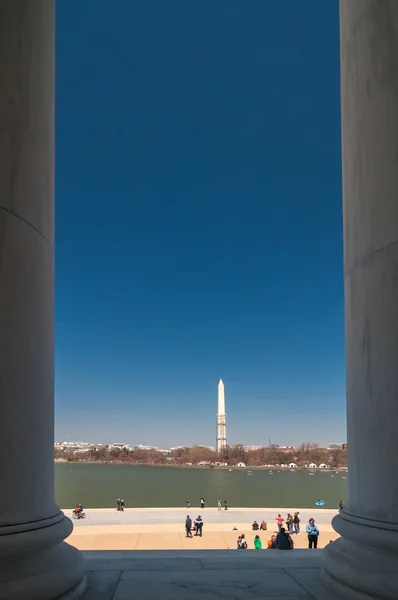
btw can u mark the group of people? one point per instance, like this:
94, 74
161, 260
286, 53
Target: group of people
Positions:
78, 512
197, 526
284, 536
256, 526
282, 540
120, 504
292, 522
277, 542
202, 503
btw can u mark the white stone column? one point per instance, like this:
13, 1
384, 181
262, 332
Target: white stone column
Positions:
363, 563
35, 563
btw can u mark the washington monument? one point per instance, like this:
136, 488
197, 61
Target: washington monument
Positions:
221, 423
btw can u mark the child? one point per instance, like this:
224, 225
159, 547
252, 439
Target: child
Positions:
257, 543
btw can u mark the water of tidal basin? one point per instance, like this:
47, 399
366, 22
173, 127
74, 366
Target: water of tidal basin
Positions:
99, 486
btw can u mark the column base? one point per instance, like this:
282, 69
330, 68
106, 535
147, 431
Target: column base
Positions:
36, 565
357, 569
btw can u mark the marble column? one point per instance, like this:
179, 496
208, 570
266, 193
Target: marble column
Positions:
363, 562
35, 562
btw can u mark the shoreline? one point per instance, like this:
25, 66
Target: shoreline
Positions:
212, 509
203, 467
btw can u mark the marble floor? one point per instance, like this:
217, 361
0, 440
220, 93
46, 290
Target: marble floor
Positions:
205, 575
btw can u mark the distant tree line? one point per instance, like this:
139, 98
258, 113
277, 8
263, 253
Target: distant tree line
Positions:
304, 454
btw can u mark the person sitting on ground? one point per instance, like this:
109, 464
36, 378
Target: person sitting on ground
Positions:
272, 543
257, 543
263, 526
242, 544
283, 540
255, 526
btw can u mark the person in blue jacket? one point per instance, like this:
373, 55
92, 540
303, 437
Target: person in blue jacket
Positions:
313, 533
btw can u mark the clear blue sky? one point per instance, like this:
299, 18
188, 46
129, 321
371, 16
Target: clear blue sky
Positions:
198, 191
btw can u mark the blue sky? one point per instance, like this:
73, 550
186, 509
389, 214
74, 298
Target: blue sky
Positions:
199, 226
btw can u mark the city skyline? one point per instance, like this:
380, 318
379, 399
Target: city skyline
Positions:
198, 221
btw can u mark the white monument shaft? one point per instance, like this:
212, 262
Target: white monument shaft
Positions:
221, 421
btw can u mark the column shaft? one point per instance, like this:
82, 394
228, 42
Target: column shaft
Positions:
34, 561
362, 563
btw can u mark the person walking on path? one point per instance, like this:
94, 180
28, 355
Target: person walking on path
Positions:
202, 502
225, 505
188, 503
257, 543
341, 505
313, 533
118, 504
219, 504
199, 525
188, 526
296, 522
279, 520
122, 504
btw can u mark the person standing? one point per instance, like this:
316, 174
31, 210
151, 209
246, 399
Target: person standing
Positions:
219, 504
289, 523
225, 505
122, 504
188, 526
313, 534
202, 502
199, 526
257, 543
279, 520
118, 504
341, 505
242, 544
188, 503
296, 522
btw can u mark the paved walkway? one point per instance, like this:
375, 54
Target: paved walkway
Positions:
172, 516
206, 575
163, 529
